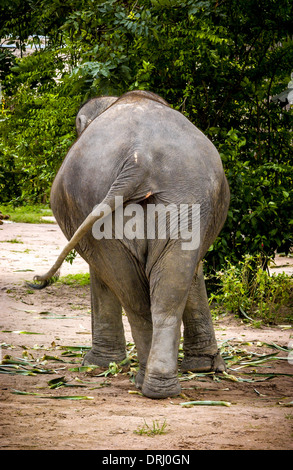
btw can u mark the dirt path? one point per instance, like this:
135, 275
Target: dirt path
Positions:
59, 317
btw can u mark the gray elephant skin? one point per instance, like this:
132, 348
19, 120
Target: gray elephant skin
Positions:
138, 148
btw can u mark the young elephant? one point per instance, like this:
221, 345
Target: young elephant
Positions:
139, 152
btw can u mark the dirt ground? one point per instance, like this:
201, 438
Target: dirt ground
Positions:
259, 415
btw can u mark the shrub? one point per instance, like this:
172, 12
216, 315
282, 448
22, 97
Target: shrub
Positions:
247, 290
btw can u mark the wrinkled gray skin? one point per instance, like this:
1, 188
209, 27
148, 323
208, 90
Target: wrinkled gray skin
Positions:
143, 150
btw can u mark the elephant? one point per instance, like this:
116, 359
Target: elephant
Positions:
137, 150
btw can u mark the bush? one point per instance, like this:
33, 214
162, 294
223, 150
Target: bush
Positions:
36, 130
259, 219
250, 292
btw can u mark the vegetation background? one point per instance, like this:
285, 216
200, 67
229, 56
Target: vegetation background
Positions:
225, 64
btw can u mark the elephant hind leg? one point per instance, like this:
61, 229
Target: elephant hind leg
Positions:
141, 330
108, 341
170, 280
200, 346
118, 280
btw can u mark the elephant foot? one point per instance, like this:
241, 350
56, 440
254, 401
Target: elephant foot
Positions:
203, 363
102, 360
154, 387
139, 379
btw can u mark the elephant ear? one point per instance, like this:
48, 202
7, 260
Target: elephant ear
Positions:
81, 123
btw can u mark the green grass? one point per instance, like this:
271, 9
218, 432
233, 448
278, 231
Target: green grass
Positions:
80, 279
154, 430
27, 214
13, 240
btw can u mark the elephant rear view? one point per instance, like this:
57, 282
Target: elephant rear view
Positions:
139, 156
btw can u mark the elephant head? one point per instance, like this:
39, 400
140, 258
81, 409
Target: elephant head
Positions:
90, 110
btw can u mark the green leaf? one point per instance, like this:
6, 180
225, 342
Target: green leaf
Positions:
189, 404
22, 332
66, 397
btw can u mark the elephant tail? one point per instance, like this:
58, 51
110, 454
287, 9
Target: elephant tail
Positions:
100, 211
132, 174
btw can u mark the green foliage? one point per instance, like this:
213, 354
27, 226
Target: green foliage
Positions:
7, 60
219, 63
260, 216
247, 290
37, 129
71, 256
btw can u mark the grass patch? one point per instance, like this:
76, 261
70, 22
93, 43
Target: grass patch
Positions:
13, 240
154, 430
27, 213
80, 279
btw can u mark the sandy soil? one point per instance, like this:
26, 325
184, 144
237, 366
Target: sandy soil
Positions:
258, 416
